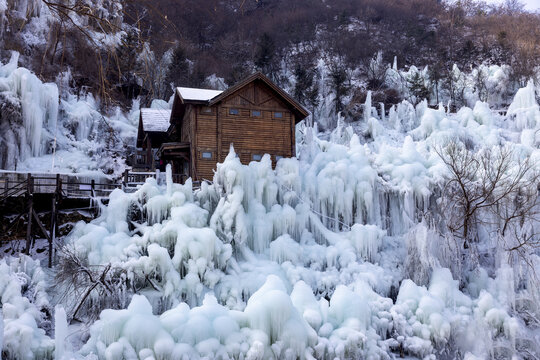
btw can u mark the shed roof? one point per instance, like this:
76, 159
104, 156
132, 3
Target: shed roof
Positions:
193, 94
155, 120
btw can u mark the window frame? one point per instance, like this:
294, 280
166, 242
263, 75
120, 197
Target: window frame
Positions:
234, 111
254, 157
203, 157
206, 110
256, 111
280, 117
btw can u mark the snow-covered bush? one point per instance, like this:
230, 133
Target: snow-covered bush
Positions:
25, 310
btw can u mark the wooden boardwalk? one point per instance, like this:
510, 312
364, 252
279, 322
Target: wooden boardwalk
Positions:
24, 186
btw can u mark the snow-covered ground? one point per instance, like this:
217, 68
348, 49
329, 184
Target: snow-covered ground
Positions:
340, 253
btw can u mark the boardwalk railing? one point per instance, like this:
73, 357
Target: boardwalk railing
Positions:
62, 186
134, 178
15, 184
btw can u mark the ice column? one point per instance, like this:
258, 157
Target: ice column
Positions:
60, 331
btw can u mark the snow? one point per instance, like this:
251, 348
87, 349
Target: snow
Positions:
156, 120
193, 94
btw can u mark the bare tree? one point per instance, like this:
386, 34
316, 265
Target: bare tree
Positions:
88, 289
488, 181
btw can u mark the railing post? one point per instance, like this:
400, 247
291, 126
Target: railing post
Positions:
54, 215
126, 179
30, 196
58, 186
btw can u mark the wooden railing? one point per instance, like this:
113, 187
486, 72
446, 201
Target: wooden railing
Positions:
61, 186
16, 184
134, 178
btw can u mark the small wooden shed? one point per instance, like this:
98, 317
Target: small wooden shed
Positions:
152, 132
255, 116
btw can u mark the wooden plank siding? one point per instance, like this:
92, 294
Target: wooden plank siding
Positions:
256, 135
249, 134
206, 141
212, 128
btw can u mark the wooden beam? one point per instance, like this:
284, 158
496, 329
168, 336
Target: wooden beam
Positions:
193, 143
292, 119
40, 225
54, 214
218, 126
30, 196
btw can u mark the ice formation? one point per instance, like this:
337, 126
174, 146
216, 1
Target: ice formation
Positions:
311, 259
43, 131
24, 303
338, 254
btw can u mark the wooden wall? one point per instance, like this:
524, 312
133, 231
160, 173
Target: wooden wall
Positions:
206, 141
250, 135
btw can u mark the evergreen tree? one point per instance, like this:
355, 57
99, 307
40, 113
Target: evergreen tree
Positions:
124, 74
264, 54
178, 72
417, 88
338, 78
306, 89
436, 75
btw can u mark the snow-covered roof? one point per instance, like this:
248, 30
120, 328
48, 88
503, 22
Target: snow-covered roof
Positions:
156, 120
197, 94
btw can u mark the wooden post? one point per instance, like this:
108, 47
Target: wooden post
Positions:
58, 186
30, 197
93, 188
149, 157
54, 211
293, 134
126, 179
93, 198
218, 140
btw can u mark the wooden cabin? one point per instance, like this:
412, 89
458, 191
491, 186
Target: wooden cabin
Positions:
152, 132
255, 116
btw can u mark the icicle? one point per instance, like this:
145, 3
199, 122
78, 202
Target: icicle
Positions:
60, 332
169, 179
367, 107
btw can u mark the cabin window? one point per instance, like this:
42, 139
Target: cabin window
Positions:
206, 110
206, 155
279, 157
256, 157
233, 111
255, 113
278, 115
